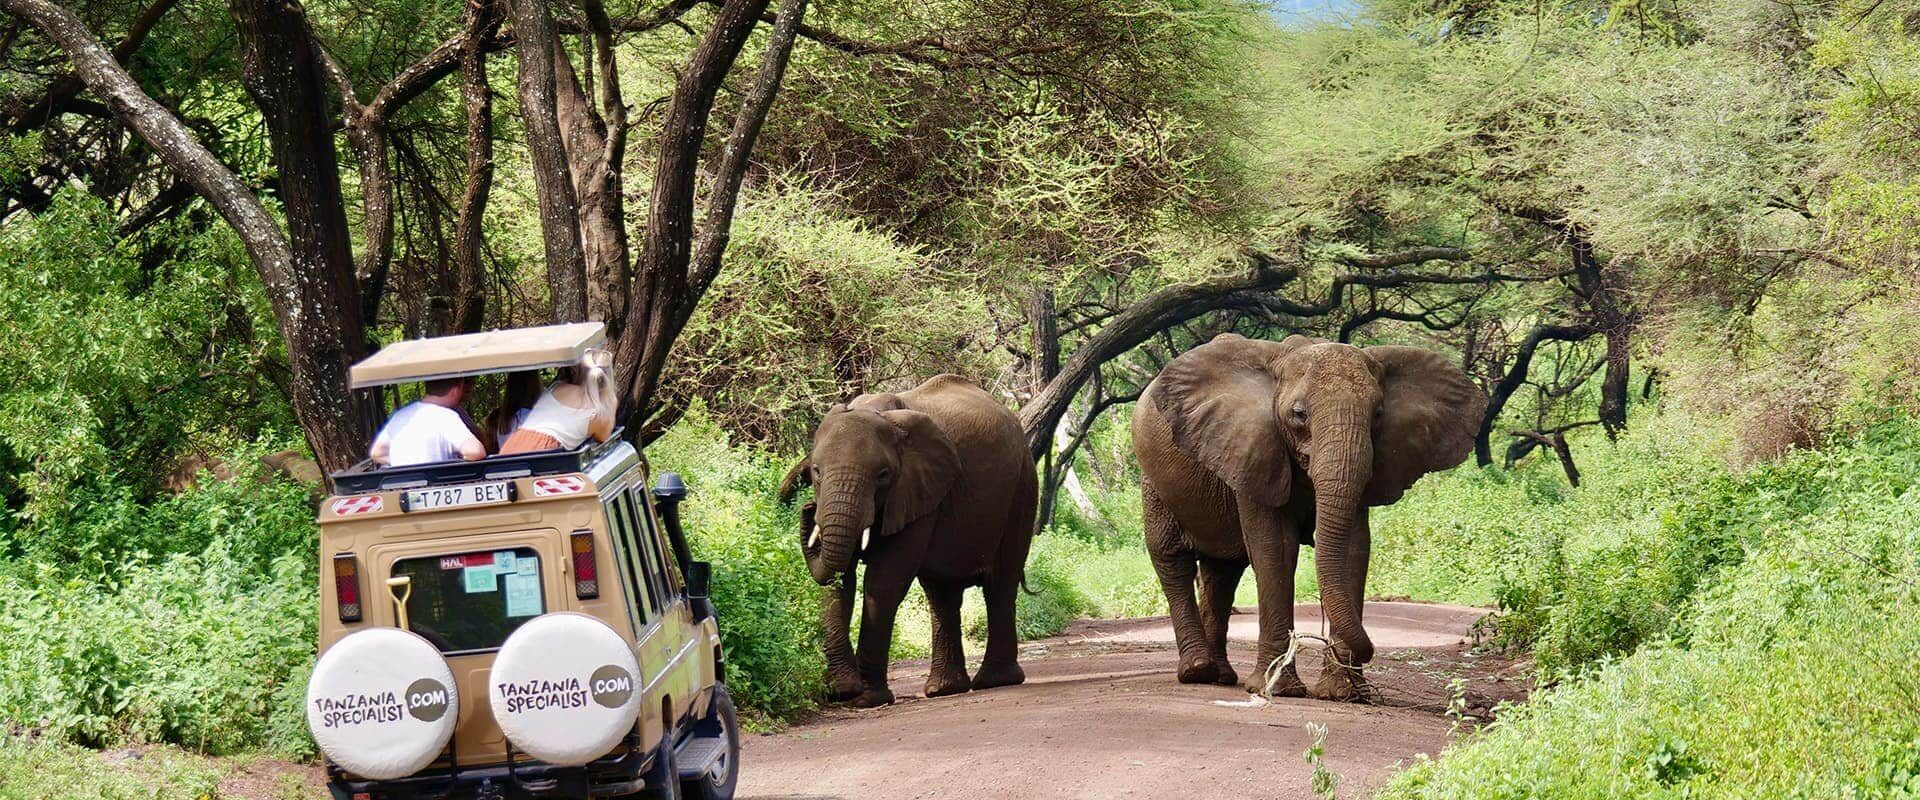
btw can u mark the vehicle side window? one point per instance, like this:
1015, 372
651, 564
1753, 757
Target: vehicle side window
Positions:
626, 554
655, 564
647, 561
651, 525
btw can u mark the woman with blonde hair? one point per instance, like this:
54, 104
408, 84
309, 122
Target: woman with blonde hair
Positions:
579, 404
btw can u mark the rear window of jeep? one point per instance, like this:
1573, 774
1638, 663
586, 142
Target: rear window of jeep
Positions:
470, 601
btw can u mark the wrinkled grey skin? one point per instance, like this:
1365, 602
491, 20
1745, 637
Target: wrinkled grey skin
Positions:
932, 483
1249, 449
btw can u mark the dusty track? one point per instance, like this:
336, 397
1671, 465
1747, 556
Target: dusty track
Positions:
1101, 716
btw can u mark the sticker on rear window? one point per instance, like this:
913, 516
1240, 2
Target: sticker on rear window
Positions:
480, 579
523, 595
503, 561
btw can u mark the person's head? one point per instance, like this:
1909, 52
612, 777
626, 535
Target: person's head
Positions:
522, 390
448, 391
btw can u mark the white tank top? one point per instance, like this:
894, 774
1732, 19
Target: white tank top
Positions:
566, 424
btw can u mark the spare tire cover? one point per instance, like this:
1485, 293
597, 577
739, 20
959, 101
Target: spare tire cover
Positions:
382, 703
565, 688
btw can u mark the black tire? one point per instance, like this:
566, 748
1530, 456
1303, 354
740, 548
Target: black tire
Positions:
722, 721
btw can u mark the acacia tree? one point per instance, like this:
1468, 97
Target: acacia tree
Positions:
305, 268
321, 298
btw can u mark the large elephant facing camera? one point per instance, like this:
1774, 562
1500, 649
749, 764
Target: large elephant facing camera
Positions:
1249, 449
932, 483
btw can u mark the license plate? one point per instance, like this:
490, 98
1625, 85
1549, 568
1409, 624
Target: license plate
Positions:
471, 494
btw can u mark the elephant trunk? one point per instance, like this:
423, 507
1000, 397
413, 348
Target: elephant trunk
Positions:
843, 519
1341, 467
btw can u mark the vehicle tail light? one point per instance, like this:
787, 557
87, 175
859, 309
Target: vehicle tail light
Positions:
586, 573
346, 587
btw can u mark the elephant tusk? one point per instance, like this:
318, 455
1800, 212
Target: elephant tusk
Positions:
814, 540
866, 535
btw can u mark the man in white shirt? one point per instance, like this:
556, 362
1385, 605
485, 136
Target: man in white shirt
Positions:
429, 430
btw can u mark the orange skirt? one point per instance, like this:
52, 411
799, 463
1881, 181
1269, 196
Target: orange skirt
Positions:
526, 441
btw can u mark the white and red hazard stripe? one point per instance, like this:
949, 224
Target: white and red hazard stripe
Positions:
363, 504
565, 484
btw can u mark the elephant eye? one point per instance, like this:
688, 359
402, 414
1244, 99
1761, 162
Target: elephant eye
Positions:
1299, 409
885, 474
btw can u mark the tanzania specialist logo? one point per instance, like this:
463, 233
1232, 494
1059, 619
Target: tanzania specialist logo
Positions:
611, 686
427, 700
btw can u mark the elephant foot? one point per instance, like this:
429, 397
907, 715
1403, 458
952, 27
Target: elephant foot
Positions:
992, 675
1227, 676
843, 685
873, 697
1200, 669
948, 684
1341, 683
1286, 684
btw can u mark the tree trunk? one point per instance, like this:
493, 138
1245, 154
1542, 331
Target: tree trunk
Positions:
1150, 315
322, 324
470, 293
546, 148
1515, 377
665, 291
596, 148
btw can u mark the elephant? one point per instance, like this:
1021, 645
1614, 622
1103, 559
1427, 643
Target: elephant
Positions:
933, 483
1249, 449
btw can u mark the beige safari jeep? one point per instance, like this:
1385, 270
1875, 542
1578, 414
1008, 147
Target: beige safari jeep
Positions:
523, 626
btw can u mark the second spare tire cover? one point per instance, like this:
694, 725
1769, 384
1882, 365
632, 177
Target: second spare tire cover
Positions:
565, 688
382, 703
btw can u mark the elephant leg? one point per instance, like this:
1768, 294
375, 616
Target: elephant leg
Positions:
1218, 580
1174, 562
948, 672
1001, 666
1273, 545
890, 572
843, 673
1341, 677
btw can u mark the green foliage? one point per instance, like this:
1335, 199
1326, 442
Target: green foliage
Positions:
767, 602
1784, 601
195, 647
811, 300
121, 360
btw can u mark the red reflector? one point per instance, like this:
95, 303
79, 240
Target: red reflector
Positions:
586, 573
346, 587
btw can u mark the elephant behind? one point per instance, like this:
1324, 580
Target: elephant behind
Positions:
1249, 449
933, 483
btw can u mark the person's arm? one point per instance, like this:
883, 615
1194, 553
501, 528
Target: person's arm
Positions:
470, 447
380, 451
601, 426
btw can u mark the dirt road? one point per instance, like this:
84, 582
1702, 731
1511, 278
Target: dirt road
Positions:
1101, 716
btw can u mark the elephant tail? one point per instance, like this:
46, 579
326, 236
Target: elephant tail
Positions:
1027, 587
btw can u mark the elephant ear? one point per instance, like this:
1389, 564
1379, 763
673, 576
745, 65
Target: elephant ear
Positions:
1218, 402
1429, 412
928, 468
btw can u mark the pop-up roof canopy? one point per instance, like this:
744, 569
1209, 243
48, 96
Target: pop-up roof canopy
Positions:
479, 354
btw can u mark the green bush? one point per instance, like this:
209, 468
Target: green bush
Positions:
768, 604
192, 650
1774, 621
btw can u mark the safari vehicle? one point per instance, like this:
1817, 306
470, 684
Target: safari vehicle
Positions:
523, 626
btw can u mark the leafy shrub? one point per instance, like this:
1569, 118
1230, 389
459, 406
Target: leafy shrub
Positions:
1775, 656
767, 602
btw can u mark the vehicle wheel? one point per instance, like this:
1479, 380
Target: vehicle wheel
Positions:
723, 722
